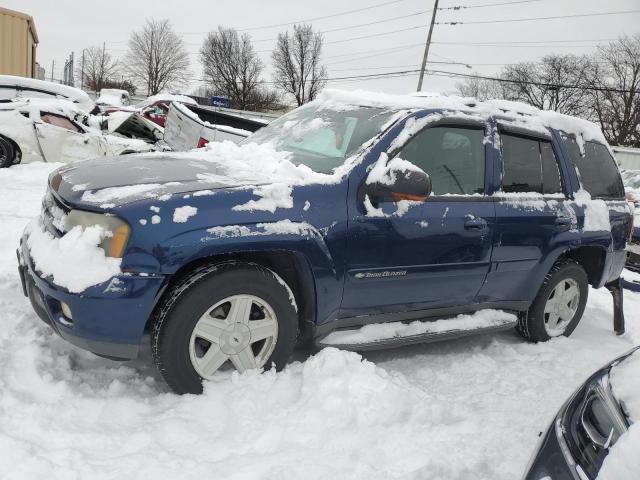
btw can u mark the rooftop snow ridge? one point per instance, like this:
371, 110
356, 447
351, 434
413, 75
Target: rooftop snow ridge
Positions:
525, 115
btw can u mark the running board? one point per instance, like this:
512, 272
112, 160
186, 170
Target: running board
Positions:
390, 335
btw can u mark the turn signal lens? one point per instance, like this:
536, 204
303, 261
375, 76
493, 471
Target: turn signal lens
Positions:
115, 248
202, 142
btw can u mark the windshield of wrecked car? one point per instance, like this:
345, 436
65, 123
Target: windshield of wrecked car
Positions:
320, 137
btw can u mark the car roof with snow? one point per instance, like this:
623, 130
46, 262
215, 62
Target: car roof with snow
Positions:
62, 107
515, 114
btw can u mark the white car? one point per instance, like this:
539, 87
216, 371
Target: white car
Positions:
56, 131
113, 97
16, 88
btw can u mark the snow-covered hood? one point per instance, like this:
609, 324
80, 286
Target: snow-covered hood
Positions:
124, 179
120, 180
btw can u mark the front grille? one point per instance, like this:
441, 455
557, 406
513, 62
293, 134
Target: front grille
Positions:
53, 214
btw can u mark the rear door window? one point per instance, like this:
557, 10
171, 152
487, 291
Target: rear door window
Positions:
522, 167
529, 165
599, 174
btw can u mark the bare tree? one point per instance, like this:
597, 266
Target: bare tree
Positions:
97, 68
553, 83
157, 57
615, 101
296, 63
480, 88
232, 66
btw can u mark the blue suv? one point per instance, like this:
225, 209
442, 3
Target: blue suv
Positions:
340, 222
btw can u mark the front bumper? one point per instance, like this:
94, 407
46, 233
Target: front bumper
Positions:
107, 319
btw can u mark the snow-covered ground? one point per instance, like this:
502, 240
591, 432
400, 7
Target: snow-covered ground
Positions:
466, 409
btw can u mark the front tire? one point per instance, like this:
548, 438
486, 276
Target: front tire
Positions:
231, 315
559, 305
7, 153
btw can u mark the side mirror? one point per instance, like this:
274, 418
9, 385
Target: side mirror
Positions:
398, 180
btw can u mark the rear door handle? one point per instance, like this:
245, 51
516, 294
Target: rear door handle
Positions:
475, 224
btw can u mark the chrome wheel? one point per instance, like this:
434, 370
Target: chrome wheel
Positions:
242, 329
561, 307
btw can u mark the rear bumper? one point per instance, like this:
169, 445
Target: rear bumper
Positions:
107, 319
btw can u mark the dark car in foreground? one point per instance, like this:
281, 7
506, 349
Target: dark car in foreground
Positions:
588, 426
352, 221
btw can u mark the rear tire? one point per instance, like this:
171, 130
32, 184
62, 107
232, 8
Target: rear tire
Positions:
7, 153
198, 328
559, 305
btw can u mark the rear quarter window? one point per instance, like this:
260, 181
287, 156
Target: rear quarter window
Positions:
598, 172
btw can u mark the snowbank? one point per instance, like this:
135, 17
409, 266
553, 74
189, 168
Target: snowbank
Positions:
66, 258
623, 461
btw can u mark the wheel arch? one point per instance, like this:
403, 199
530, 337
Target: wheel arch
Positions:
590, 257
291, 266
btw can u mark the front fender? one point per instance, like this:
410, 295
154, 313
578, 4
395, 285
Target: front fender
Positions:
298, 237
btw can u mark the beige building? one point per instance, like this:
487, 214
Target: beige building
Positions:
18, 41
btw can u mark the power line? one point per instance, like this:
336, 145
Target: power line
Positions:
263, 27
374, 76
375, 35
465, 7
355, 26
488, 42
531, 19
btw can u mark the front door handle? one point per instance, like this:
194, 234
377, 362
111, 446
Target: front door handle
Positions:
475, 224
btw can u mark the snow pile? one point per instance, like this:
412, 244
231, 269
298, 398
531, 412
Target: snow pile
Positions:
271, 197
596, 212
65, 259
111, 194
281, 227
166, 97
385, 171
623, 461
182, 214
625, 382
381, 331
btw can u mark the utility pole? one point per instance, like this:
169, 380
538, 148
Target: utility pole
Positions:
53, 64
426, 47
82, 72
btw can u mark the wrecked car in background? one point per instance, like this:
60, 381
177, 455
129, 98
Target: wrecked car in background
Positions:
34, 130
16, 88
112, 97
193, 126
154, 108
631, 180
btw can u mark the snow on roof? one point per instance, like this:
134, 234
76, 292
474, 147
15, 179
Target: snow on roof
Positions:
522, 114
168, 97
63, 107
73, 94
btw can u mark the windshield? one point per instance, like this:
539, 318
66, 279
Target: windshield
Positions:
322, 138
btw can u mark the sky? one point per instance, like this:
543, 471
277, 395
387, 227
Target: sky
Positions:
393, 41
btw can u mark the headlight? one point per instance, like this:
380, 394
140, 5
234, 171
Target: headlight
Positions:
589, 424
117, 230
